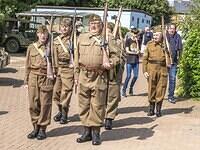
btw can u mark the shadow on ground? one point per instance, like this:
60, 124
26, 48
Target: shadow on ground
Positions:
3, 112
8, 70
172, 111
74, 118
11, 82
125, 133
131, 121
64, 131
125, 110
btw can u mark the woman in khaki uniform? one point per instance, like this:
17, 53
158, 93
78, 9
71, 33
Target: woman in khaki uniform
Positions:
40, 88
91, 77
63, 87
155, 70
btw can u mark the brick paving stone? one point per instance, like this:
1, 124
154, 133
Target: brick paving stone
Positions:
177, 129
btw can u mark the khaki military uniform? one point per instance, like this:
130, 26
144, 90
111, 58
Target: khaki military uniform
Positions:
92, 78
63, 87
115, 78
40, 88
154, 63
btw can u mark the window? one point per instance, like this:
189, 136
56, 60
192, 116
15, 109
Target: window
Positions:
132, 18
138, 22
142, 20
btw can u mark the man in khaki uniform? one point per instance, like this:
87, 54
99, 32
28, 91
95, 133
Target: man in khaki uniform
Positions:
40, 88
115, 75
63, 87
91, 77
155, 70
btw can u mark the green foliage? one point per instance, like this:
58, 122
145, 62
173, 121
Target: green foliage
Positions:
154, 7
124, 31
189, 73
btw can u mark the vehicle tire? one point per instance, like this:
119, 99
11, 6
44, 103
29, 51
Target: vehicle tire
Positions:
12, 45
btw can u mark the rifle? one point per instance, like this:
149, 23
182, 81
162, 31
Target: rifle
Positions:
117, 23
167, 49
105, 36
73, 42
49, 53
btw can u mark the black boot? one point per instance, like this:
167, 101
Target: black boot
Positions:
58, 116
158, 109
42, 134
108, 124
151, 109
131, 91
34, 133
87, 135
96, 139
64, 118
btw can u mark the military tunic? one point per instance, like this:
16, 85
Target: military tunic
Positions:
63, 87
40, 88
92, 78
154, 63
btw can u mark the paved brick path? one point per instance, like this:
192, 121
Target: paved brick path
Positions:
177, 129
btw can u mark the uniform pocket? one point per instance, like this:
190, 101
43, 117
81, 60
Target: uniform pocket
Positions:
83, 47
101, 93
35, 58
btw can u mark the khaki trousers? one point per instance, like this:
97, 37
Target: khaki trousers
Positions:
40, 90
92, 90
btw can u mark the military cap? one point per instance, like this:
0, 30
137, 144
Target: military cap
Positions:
94, 17
42, 29
157, 29
66, 22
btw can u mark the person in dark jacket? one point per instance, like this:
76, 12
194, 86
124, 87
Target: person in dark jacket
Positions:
176, 46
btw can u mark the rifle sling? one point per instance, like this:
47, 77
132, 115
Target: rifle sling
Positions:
97, 40
61, 43
40, 51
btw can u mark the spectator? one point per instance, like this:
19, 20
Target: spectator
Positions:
132, 51
146, 36
175, 43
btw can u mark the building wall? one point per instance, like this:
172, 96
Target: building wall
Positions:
128, 18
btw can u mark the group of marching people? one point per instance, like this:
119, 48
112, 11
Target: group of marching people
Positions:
94, 70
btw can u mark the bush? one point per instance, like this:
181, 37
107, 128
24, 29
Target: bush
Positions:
189, 73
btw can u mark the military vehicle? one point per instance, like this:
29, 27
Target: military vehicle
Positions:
4, 58
19, 32
16, 33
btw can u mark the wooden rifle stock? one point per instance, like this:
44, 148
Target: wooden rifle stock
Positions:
117, 23
73, 40
105, 35
49, 53
168, 54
